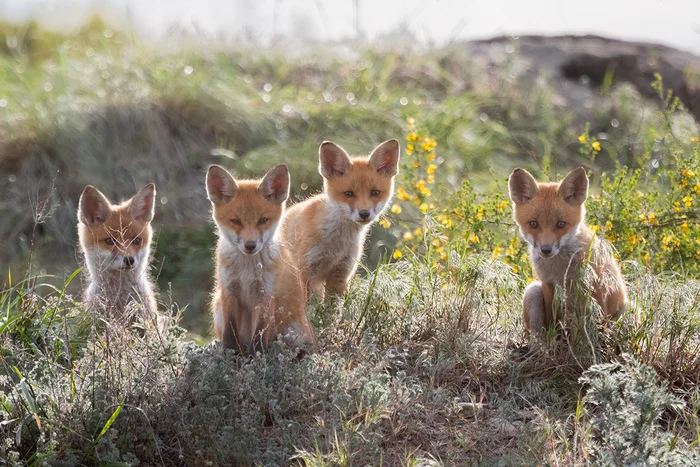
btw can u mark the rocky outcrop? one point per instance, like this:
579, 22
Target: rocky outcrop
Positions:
590, 59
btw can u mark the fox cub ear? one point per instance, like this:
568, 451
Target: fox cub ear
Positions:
275, 185
333, 160
143, 205
221, 187
574, 188
522, 186
385, 158
94, 208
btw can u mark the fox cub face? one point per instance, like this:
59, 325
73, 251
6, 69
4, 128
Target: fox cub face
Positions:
248, 212
549, 214
358, 187
116, 237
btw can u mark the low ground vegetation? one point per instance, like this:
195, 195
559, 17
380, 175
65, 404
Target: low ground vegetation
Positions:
425, 361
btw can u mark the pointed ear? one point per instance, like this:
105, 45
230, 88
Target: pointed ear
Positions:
574, 188
385, 158
275, 184
143, 205
334, 161
94, 208
522, 186
221, 187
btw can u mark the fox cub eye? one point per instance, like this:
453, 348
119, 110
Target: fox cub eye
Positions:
349, 194
136, 241
561, 224
533, 224
375, 193
262, 220
236, 221
109, 241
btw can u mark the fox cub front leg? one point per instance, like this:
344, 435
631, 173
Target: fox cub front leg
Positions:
533, 307
538, 302
338, 280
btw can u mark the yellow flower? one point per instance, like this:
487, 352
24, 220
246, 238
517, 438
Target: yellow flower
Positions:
677, 206
668, 242
695, 139
401, 194
428, 144
684, 227
474, 238
431, 178
423, 207
431, 169
497, 252
397, 254
479, 213
407, 236
608, 225
424, 190
632, 239
582, 139
650, 218
697, 188
515, 268
412, 137
396, 209
411, 121
596, 145
688, 201
595, 228
687, 173
646, 257
430, 157
385, 223
418, 231
502, 205
409, 149
416, 164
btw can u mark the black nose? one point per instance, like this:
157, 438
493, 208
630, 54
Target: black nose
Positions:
364, 215
546, 249
250, 246
129, 261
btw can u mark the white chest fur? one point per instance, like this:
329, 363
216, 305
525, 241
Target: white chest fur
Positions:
341, 240
250, 276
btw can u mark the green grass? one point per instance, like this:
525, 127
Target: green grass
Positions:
425, 361
117, 113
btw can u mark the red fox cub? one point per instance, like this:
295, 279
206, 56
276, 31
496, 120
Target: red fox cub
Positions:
326, 232
551, 220
116, 241
258, 295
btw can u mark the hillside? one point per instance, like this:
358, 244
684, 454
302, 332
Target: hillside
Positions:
425, 361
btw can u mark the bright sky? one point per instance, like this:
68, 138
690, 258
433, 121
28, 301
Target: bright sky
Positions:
671, 22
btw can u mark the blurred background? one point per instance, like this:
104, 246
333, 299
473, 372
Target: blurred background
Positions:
121, 93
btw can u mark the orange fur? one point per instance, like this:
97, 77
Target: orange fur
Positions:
115, 240
326, 232
551, 220
258, 295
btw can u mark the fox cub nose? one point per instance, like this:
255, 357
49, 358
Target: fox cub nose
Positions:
129, 261
364, 215
250, 246
546, 249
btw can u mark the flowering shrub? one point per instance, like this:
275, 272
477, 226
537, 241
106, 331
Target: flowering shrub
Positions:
649, 213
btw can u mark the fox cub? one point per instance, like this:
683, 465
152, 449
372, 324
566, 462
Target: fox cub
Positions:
258, 294
326, 232
116, 240
551, 220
